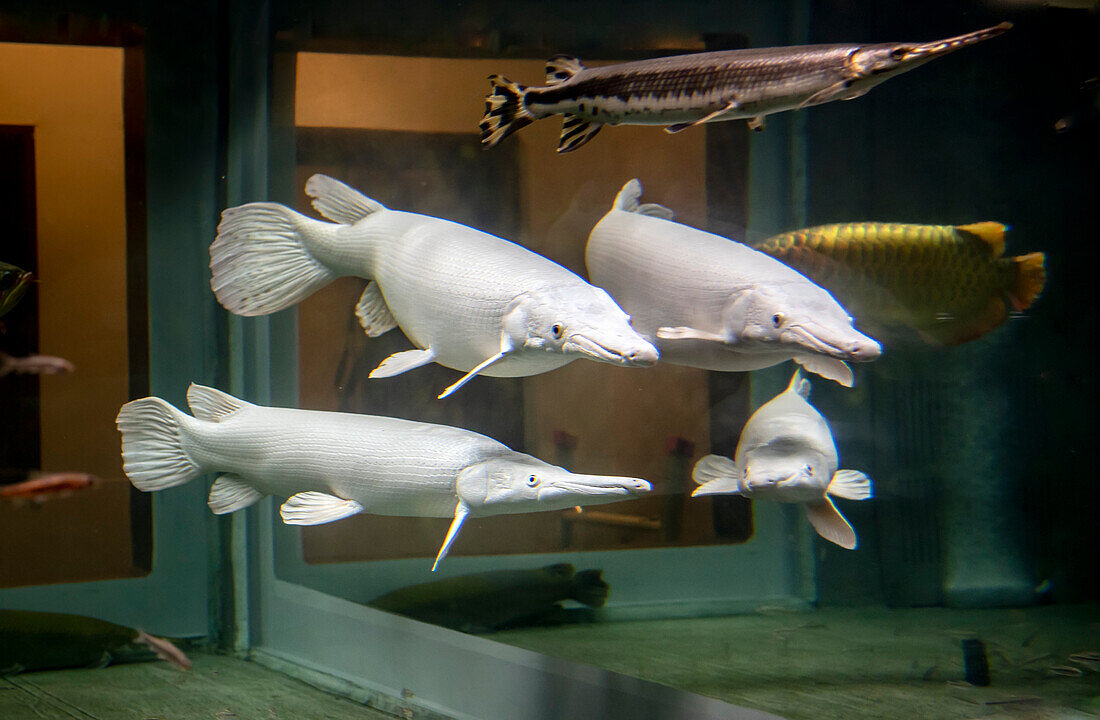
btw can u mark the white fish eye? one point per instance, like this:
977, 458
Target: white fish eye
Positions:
809, 470
777, 319
557, 330
532, 480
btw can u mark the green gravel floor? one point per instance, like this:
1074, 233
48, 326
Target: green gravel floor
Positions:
853, 664
216, 688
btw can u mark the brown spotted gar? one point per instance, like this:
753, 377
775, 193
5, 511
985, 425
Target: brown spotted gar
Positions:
685, 90
951, 284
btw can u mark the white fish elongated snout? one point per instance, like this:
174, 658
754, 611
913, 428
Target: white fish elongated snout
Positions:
638, 353
848, 344
586, 489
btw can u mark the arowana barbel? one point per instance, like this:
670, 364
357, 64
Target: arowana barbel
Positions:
950, 284
687, 90
333, 465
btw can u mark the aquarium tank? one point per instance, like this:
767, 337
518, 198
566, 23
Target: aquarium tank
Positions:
549, 360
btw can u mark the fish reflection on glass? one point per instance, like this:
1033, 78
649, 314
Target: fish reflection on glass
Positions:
499, 599
687, 90
45, 641
14, 282
34, 365
709, 302
43, 486
951, 284
333, 465
468, 300
786, 453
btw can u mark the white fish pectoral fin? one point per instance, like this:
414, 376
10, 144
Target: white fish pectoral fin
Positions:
728, 486
339, 202
462, 511
731, 106
472, 374
373, 312
851, 485
714, 468
827, 367
830, 524
401, 362
688, 333
231, 493
317, 508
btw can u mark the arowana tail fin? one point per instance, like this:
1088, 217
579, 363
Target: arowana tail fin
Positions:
259, 261
1031, 276
152, 455
505, 111
589, 588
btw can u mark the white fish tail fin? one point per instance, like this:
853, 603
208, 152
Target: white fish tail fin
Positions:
830, 524
562, 67
827, 367
152, 454
209, 403
851, 485
505, 110
164, 649
339, 202
799, 385
627, 201
715, 468
260, 259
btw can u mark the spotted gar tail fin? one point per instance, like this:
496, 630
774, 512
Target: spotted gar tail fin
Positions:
152, 451
260, 261
505, 110
1028, 282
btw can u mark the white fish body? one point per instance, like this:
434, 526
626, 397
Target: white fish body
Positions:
709, 302
333, 465
786, 453
468, 300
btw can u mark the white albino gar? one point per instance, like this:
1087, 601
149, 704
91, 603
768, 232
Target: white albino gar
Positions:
332, 465
468, 300
786, 453
709, 302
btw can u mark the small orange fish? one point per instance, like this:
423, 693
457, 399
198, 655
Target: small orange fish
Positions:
951, 284
45, 486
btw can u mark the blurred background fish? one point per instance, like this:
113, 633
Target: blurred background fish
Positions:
499, 599
945, 284
14, 282
34, 365
45, 641
40, 487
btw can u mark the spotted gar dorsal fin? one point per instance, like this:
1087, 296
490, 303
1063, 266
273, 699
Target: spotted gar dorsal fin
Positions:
562, 67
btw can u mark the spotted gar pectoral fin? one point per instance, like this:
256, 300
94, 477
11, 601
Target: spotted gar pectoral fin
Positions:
830, 524
827, 367
729, 107
317, 508
401, 362
576, 131
373, 312
462, 511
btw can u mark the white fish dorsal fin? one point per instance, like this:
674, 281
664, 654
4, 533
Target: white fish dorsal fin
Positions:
714, 468
317, 508
851, 485
401, 362
830, 524
799, 385
688, 333
339, 202
562, 67
231, 493
627, 201
827, 367
462, 511
373, 312
655, 210
209, 403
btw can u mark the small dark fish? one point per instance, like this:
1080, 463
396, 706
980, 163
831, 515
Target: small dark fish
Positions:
45, 486
488, 601
1087, 109
14, 282
45, 641
687, 90
34, 365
